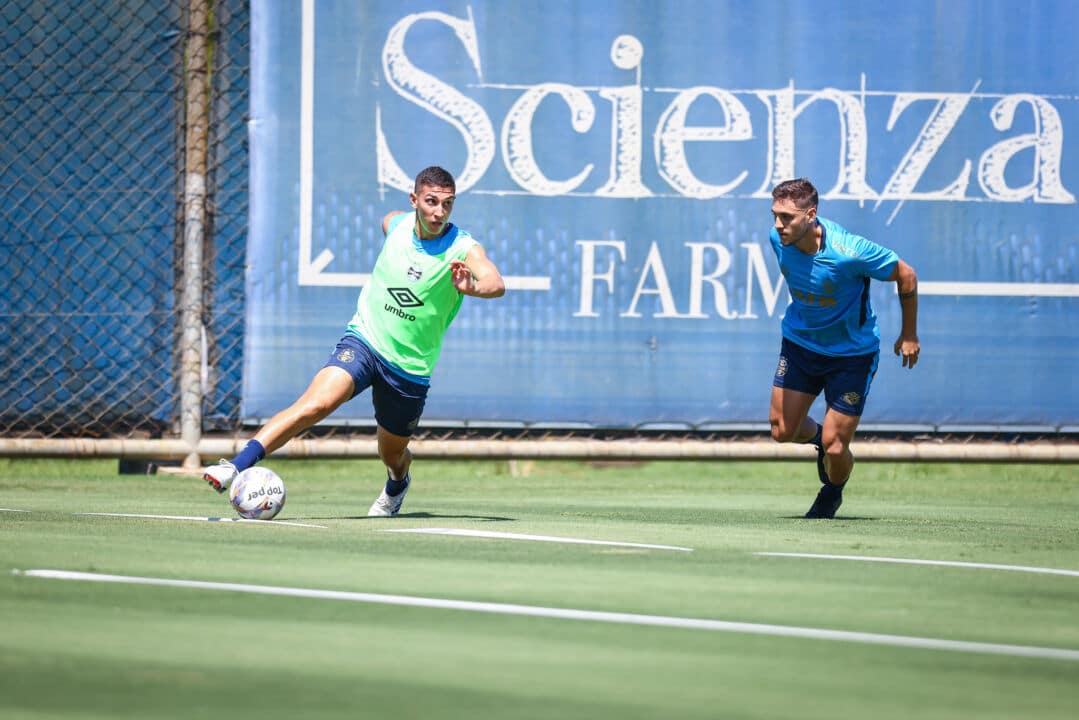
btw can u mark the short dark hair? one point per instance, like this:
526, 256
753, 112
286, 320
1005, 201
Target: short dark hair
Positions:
435, 177
801, 191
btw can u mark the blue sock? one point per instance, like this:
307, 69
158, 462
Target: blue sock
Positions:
251, 454
815, 440
396, 487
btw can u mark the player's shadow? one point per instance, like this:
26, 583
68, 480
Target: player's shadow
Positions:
418, 516
489, 518
839, 518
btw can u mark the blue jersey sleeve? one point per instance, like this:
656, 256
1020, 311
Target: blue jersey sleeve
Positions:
874, 260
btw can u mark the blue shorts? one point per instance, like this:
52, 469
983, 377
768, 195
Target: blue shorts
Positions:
845, 380
398, 402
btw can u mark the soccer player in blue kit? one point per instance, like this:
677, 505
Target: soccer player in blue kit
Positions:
831, 340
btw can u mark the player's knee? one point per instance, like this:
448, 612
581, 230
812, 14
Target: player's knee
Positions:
834, 447
781, 432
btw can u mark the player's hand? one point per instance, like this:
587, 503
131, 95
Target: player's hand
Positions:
908, 348
462, 277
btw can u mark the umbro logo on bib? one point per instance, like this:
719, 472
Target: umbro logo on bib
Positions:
404, 297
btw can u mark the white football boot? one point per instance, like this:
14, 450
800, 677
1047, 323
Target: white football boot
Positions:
387, 506
220, 476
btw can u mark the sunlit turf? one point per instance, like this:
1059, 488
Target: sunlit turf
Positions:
77, 649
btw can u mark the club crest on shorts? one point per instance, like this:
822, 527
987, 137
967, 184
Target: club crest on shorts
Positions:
852, 398
347, 355
781, 369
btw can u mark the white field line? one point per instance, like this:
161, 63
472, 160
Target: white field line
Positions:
10, 510
201, 519
946, 563
922, 643
535, 538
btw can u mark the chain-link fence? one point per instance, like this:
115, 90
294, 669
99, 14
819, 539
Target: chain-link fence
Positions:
91, 215
227, 215
95, 224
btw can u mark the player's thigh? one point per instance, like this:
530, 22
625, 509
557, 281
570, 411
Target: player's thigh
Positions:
795, 385
330, 387
788, 407
839, 426
356, 360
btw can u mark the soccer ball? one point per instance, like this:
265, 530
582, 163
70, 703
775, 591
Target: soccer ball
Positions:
258, 493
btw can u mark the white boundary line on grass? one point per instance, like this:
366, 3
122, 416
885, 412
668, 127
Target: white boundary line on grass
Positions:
922, 643
907, 561
536, 538
10, 510
201, 519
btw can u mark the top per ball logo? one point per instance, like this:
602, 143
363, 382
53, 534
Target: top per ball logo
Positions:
257, 493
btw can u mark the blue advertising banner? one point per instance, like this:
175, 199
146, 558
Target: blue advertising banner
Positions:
616, 161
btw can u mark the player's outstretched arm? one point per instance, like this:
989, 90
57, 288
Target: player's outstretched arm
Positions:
906, 282
477, 275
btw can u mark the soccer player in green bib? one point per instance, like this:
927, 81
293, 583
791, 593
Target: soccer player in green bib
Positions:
426, 267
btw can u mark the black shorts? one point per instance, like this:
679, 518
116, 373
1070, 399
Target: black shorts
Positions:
398, 401
845, 380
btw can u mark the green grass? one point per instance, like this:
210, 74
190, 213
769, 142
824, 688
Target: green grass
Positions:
79, 649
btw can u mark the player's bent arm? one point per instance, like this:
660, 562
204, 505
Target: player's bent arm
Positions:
487, 281
906, 282
390, 216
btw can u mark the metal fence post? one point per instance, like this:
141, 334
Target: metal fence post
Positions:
196, 87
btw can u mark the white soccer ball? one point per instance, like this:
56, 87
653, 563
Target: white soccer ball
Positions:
258, 493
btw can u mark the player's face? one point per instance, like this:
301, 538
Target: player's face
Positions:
433, 206
792, 222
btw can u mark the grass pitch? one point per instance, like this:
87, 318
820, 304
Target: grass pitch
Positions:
89, 649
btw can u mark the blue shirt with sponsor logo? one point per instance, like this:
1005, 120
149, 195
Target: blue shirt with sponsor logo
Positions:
830, 311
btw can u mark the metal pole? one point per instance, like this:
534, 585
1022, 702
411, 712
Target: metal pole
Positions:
572, 449
196, 84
